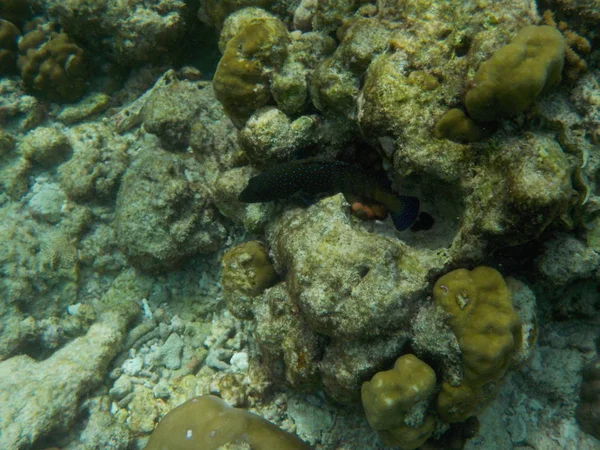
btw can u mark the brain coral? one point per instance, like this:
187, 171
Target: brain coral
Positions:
392, 395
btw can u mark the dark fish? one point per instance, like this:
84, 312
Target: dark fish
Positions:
310, 178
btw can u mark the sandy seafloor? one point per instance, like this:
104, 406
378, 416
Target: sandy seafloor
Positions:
102, 332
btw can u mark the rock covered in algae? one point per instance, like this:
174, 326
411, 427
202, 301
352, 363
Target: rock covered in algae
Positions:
270, 136
55, 385
394, 112
99, 159
335, 83
349, 283
46, 146
285, 335
208, 423
130, 33
163, 215
354, 287
16, 11
169, 112
588, 412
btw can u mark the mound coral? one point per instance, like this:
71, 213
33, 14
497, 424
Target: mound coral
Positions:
208, 423
511, 80
488, 330
51, 65
247, 272
241, 81
393, 396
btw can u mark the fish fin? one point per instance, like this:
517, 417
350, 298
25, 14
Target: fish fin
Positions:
423, 223
407, 214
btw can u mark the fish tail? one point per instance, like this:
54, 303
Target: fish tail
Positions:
407, 212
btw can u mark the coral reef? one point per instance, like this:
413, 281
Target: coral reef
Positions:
511, 80
208, 422
128, 32
488, 331
392, 397
51, 64
134, 279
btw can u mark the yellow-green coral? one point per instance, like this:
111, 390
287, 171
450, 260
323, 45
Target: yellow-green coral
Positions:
510, 81
488, 330
247, 272
208, 423
52, 65
395, 400
456, 126
241, 81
